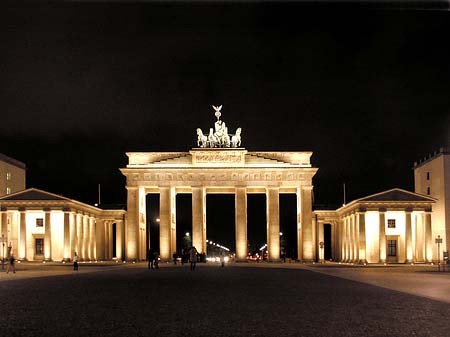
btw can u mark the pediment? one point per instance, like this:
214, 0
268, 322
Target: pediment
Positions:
33, 194
396, 194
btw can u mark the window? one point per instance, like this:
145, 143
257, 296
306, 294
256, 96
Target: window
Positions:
428, 175
8, 175
8, 190
39, 246
391, 223
39, 222
428, 191
392, 248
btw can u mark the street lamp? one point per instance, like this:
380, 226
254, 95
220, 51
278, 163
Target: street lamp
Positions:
439, 241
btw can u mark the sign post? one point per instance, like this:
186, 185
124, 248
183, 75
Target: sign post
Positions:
322, 244
3, 240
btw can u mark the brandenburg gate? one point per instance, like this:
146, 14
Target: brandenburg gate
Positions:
218, 165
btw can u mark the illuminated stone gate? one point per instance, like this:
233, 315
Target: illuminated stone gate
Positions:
218, 165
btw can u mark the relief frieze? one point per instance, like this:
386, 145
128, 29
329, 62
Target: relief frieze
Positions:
218, 177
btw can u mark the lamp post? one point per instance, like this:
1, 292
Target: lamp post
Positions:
439, 241
3, 251
321, 244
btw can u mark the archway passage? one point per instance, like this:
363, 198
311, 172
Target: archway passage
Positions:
288, 226
327, 237
256, 226
183, 222
220, 220
114, 240
152, 221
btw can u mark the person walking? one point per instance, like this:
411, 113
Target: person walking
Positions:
156, 260
10, 264
193, 257
75, 261
174, 257
151, 258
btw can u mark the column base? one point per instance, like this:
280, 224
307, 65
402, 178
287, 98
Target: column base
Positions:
48, 260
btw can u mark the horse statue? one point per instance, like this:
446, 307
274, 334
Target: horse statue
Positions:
236, 138
202, 140
212, 139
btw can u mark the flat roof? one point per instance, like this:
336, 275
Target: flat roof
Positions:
12, 161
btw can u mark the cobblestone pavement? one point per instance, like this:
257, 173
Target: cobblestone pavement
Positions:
234, 301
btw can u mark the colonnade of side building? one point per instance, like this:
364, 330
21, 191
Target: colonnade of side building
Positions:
54, 229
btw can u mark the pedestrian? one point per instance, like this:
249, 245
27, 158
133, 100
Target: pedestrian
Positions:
156, 260
222, 259
151, 258
75, 261
174, 257
10, 264
193, 257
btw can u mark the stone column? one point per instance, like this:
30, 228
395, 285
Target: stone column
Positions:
199, 219
132, 224
307, 232
167, 221
408, 237
48, 236
355, 252
344, 240
428, 238
382, 234
273, 223
91, 239
119, 239
240, 203
23, 235
100, 239
66, 236
72, 233
79, 220
4, 233
85, 238
362, 237
299, 225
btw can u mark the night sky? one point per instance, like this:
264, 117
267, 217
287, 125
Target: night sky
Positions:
365, 87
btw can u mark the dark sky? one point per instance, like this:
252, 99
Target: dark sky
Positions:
365, 87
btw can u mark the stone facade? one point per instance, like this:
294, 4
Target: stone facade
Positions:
12, 175
219, 170
39, 225
394, 226
432, 177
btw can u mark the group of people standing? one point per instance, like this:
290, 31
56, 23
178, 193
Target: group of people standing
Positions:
153, 258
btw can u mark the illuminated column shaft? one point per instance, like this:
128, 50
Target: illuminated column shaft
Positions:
362, 237
91, 238
273, 223
344, 240
72, 233
132, 224
108, 249
353, 238
347, 240
100, 239
308, 243
48, 236
85, 237
167, 221
240, 201
4, 232
382, 231
408, 237
428, 238
79, 222
199, 218
299, 225
23, 236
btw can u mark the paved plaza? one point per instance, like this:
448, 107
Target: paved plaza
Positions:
238, 300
